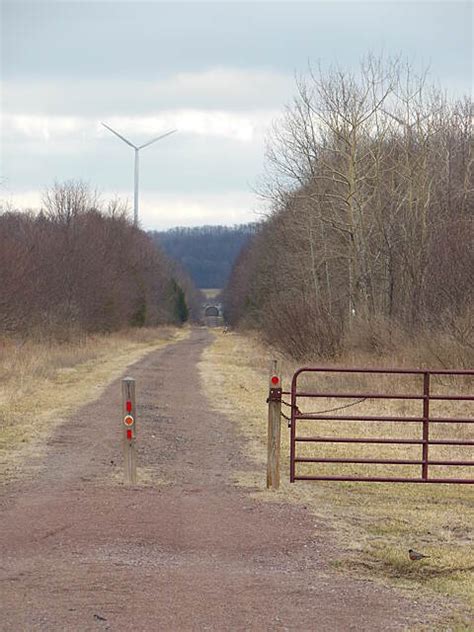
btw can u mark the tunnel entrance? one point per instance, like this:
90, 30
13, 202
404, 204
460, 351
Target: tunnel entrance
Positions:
213, 315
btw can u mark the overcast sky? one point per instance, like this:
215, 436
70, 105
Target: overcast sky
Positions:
219, 72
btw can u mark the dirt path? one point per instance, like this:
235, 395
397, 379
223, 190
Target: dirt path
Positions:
81, 552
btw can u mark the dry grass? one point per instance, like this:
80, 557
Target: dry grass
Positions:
40, 384
374, 524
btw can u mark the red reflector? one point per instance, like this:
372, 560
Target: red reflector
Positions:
129, 435
128, 406
275, 379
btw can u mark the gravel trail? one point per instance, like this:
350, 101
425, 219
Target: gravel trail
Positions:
186, 551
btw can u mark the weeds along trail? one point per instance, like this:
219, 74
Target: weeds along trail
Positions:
374, 524
41, 383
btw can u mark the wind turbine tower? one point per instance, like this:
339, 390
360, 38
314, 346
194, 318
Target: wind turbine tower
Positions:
137, 164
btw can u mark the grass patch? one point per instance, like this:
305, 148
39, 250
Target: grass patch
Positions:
374, 524
41, 384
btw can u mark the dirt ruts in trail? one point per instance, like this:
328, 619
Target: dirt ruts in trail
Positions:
186, 551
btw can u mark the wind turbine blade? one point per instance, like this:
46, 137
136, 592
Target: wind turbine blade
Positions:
158, 138
120, 136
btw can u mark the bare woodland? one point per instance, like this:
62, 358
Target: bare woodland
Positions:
80, 266
370, 238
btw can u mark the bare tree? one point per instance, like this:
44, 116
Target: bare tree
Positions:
367, 174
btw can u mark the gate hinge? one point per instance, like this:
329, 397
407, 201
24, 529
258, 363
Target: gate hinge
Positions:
275, 395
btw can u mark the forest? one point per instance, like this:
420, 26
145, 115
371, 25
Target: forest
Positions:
80, 266
206, 252
369, 244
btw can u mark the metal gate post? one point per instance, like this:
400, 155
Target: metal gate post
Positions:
293, 428
426, 424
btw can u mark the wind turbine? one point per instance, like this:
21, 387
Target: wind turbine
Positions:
137, 149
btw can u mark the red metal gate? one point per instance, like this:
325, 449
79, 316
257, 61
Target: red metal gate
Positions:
426, 396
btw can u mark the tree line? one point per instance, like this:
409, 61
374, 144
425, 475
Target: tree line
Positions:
79, 265
370, 183
206, 252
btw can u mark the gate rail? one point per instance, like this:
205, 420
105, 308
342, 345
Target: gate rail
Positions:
425, 419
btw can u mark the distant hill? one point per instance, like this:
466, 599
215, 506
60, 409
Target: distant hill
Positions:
207, 252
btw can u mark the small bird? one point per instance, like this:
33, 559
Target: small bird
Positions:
415, 556
99, 617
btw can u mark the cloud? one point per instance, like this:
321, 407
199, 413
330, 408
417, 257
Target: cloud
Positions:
211, 89
24, 200
237, 126
159, 211
40, 127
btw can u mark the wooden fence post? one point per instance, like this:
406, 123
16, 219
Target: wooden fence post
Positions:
130, 429
274, 428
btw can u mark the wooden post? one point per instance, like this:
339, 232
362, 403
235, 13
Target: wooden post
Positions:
274, 428
129, 430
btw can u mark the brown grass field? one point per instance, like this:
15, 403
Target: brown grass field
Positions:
374, 524
42, 383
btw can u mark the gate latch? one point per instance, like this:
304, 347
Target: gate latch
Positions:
274, 395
